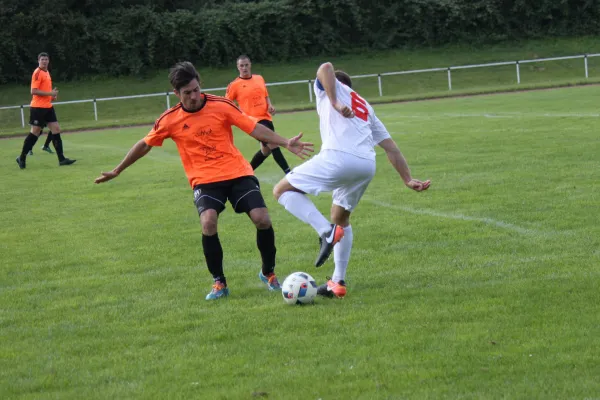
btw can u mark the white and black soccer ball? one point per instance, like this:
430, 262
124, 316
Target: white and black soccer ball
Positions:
299, 288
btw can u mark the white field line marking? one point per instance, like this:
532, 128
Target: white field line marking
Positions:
513, 115
460, 217
270, 179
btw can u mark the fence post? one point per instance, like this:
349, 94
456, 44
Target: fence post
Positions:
95, 110
449, 79
168, 101
310, 90
22, 117
586, 66
518, 72
379, 82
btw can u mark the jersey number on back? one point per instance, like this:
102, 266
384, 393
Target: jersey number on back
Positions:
359, 106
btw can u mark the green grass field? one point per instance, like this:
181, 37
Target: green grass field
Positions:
432, 84
486, 286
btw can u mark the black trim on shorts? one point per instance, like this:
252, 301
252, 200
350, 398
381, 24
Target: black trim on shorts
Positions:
243, 194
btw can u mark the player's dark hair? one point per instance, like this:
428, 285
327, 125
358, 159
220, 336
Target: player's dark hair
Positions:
242, 57
343, 77
43, 55
182, 74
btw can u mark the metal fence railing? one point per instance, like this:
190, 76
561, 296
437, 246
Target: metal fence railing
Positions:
379, 76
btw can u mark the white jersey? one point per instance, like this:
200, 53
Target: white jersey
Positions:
358, 135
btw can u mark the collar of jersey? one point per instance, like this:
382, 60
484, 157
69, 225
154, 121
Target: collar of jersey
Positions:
201, 107
250, 77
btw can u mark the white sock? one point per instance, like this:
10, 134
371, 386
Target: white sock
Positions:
300, 206
341, 255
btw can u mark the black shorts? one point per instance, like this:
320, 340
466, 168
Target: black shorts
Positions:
268, 124
41, 116
243, 193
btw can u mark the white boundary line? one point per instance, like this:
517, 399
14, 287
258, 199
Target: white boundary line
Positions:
460, 217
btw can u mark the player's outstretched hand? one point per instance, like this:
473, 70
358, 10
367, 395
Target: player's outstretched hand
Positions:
106, 176
417, 185
343, 109
301, 149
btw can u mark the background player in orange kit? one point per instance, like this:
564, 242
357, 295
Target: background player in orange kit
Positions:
250, 92
42, 113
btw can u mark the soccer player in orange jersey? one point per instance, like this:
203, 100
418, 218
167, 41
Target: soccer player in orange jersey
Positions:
200, 125
250, 92
42, 113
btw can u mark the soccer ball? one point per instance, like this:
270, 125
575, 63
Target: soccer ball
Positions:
299, 288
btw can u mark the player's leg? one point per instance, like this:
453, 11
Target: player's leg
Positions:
336, 285
210, 201
279, 158
276, 151
322, 173
36, 116
46, 146
345, 200
57, 139
246, 198
260, 156
41, 133
297, 203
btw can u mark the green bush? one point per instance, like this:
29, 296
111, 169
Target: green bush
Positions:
106, 37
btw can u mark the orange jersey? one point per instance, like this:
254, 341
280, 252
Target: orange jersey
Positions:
41, 80
205, 140
251, 94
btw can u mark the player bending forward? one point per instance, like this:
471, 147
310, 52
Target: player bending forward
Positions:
345, 165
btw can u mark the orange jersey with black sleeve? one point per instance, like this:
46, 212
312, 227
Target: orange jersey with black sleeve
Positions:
251, 94
41, 80
204, 139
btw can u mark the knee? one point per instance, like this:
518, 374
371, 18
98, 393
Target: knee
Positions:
262, 220
208, 219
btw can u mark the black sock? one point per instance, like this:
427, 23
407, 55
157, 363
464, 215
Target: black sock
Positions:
57, 142
280, 160
28, 144
48, 139
265, 240
213, 252
258, 159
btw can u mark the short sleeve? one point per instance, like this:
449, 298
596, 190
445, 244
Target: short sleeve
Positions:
379, 131
319, 89
36, 79
243, 121
230, 92
158, 134
265, 86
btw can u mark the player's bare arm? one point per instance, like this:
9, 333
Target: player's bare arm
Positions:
139, 150
294, 145
38, 92
271, 109
397, 159
326, 76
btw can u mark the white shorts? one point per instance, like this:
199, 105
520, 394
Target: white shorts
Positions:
344, 174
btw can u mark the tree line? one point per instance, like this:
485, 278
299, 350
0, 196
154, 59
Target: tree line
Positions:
117, 37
